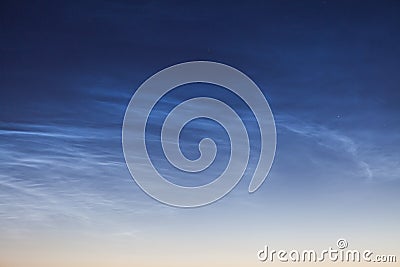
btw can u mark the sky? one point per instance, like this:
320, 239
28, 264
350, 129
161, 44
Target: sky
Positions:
329, 70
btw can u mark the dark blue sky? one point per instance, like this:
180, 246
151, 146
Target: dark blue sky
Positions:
335, 56
329, 69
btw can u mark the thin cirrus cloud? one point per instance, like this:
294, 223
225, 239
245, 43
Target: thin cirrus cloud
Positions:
328, 69
51, 177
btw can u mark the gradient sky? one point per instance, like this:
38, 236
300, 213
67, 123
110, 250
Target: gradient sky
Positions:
329, 69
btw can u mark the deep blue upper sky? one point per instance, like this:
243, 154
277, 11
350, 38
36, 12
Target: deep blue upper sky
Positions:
340, 57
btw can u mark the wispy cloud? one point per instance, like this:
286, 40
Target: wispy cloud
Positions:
55, 175
369, 158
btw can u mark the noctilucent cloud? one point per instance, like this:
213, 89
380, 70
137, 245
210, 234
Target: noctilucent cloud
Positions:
329, 70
